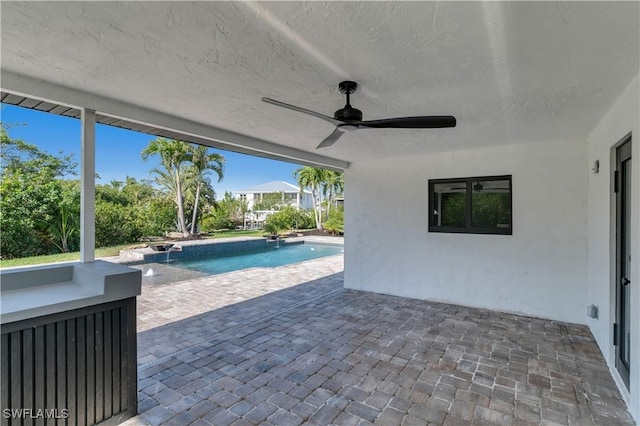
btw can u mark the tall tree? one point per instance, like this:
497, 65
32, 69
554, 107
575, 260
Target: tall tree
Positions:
32, 194
313, 178
332, 187
173, 154
202, 162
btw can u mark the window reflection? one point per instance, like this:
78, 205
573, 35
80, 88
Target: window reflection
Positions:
490, 204
450, 204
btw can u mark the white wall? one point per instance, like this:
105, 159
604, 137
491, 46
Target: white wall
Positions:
540, 270
248, 197
306, 202
559, 258
622, 118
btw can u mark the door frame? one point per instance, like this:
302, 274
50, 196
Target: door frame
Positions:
616, 270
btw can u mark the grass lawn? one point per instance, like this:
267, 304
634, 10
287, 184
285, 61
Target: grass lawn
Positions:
109, 251
62, 257
233, 233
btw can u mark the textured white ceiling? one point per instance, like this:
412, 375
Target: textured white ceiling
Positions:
511, 72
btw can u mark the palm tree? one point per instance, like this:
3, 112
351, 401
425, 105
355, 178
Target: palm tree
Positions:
312, 178
202, 162
173, 154
167, 181
333, 186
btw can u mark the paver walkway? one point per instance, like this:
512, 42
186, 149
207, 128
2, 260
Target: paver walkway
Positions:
315, 353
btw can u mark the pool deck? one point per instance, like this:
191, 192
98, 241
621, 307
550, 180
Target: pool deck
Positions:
289, 345
165, 303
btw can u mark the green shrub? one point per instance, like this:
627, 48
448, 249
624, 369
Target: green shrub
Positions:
335, 221
277, 222
116, 224
215, 221
158, 217
287, 219
305, 219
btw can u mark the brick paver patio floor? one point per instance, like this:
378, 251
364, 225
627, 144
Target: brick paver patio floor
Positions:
291, 347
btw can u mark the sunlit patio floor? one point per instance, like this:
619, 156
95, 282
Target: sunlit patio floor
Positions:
290, 345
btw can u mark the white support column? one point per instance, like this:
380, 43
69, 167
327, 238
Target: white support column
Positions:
88, 187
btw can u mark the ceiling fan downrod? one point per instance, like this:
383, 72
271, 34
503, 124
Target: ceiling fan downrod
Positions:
348, 113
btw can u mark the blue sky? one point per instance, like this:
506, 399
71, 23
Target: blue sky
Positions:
118, 150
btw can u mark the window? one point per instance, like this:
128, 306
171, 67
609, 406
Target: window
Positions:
479, 205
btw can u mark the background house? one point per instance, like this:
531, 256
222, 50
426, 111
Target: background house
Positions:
290, 195
546, 93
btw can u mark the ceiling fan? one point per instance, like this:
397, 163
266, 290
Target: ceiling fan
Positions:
348, 118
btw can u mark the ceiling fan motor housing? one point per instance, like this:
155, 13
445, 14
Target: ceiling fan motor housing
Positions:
348, 114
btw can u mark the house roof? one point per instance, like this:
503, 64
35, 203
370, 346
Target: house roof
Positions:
510, 72
275, 186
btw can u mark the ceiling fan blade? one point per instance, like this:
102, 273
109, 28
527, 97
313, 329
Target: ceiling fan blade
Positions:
302, 110
425, 122
331, 139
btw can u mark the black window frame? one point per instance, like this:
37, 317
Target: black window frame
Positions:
468, 228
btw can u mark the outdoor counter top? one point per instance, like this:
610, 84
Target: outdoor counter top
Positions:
49, 289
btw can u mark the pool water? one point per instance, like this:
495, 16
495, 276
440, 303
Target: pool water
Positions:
269, 258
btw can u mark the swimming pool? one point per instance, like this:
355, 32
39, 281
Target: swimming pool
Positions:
265, 258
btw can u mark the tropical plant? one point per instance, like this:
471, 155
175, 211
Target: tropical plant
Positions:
335, 221
303, 219
278, 222
156, 216
25, 158
63, 229
31, 193
332, 187
313, 178
136, 192
173, 154
228, 213
40, 205
117, 224
203, 161
270, 201
287, 219
216, 222
183, 175
126, 211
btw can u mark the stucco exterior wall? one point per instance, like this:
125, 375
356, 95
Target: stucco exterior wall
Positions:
540, 270
559, 259
623, 118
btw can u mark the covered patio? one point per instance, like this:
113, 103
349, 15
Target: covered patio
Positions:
310, 351
535, 318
